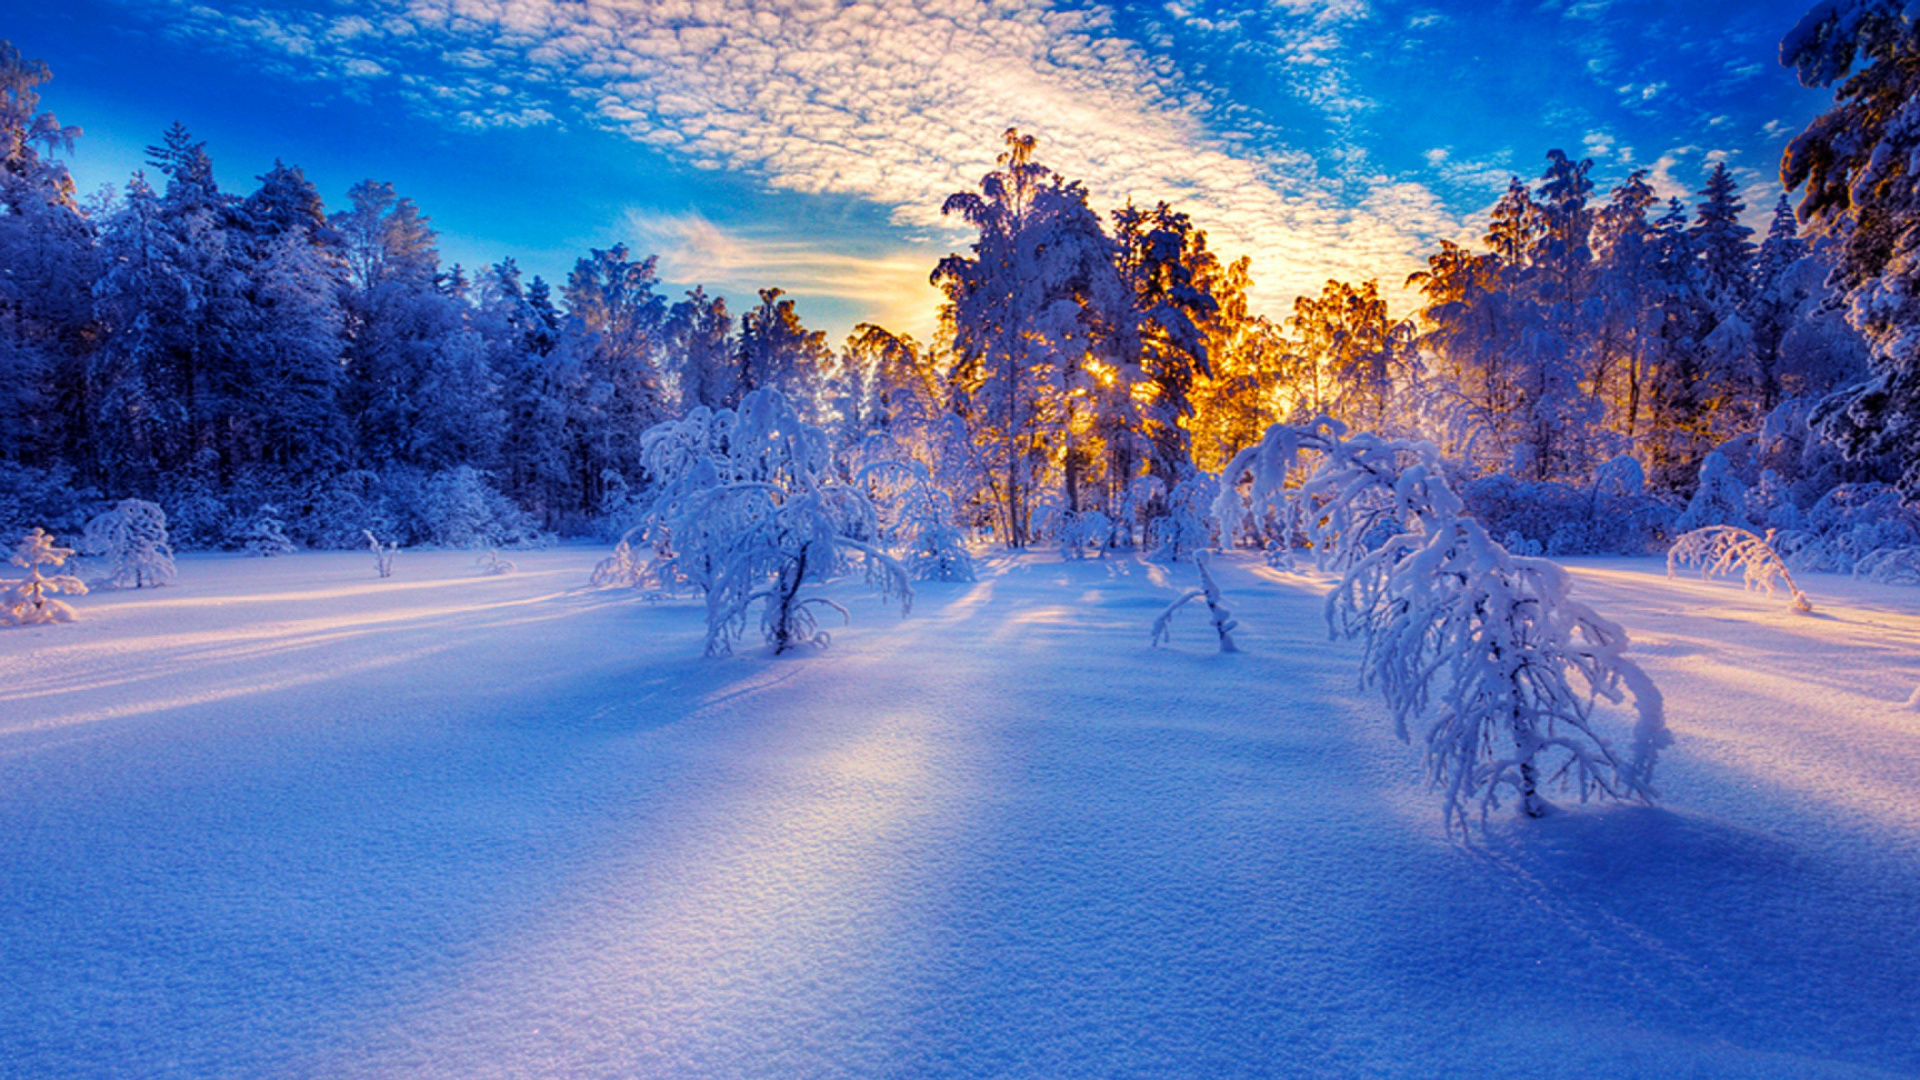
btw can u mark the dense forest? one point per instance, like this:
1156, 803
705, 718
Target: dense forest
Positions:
1605, 368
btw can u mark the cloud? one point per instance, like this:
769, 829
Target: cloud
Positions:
738, 262
896, 103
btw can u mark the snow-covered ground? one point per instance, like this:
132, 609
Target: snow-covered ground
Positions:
284, 819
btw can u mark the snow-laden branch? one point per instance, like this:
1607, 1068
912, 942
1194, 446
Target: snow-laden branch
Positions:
1484, 655
1719, 550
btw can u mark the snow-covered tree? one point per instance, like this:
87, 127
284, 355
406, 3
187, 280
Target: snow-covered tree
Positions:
1487, 652
699, 350
1720, 499
776, 351
266, 536
1209, 591
1186, 527
917, 520
748, 512
29, 601
1856, 166
132, 538
1046, 338
1718, 550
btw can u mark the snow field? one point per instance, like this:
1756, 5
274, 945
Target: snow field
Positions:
287, 819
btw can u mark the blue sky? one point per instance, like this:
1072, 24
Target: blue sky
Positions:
809, 144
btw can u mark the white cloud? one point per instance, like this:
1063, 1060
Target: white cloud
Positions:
900, 104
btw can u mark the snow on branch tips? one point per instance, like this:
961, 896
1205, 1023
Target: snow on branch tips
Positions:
749, 514
29, 601
1719, 550
1223, 621
1483, 653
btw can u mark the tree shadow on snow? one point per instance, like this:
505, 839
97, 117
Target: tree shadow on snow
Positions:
1725, 932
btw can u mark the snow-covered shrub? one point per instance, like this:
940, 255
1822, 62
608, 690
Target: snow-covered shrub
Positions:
1485, 650
198, 518
1611, 515
491, 563
1719, 550
1187, 526
1084, 531
1720, 499
458, 508
1209, 590
29, 601
622, 568
1847, 524
132, 538
749, 514
266, 535
1891, 566
1047, 519
382, 553
1522, 545
46, 498
1141, 501
918, 520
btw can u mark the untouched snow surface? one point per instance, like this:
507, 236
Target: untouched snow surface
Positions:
287, 820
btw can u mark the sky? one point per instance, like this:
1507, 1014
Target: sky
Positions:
809, 144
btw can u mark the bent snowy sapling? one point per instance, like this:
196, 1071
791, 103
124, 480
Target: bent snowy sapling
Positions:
1486, 652
1209, 590
1718, 550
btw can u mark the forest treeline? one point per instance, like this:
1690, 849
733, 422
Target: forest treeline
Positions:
242, 356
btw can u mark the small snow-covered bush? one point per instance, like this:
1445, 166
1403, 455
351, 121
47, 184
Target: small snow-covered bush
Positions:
1720, 499
1891, 566
492, 564
1209, 590
266, 536
622, 568
918, 522
749, 514
1187, 526
1485, 651
47, 498
382, 553
132, 538
459, 508
1084, 531
1612, 514
29, 601
1718, 550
